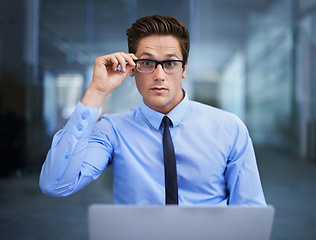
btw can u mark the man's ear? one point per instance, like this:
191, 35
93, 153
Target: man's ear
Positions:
184, 73
131, 73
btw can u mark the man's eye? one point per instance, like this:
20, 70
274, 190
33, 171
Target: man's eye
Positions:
147, 63
170, 64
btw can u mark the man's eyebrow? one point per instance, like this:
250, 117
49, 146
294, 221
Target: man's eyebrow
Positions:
146, 54
170, 55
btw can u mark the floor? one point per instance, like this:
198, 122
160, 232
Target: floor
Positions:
25, 213
290, 186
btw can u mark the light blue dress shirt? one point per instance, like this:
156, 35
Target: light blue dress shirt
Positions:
216, 164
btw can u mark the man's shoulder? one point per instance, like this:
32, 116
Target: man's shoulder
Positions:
213, 114
133, 113
112, 122
208, 109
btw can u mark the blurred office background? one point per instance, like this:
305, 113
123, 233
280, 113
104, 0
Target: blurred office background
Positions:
255, 58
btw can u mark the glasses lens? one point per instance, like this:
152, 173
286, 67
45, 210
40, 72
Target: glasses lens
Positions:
145, 66
172, 66
169, 66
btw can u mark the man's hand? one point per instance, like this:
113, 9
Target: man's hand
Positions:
107, 77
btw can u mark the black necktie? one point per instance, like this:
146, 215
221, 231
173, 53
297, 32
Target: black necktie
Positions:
171, 184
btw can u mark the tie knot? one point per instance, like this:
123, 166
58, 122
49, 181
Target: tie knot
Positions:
166, 122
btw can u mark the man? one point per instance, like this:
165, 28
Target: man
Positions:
214, 158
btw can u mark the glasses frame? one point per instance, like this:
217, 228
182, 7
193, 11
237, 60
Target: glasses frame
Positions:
159, 62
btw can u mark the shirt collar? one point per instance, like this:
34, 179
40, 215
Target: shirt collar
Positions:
176, 114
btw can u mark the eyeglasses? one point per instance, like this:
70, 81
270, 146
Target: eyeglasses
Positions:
169, 66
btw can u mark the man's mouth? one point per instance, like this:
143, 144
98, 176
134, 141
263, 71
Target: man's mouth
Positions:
159, 89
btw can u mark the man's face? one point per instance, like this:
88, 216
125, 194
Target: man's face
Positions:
161, 91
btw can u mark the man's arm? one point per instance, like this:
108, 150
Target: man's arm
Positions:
242, 175
70, 164
106, 77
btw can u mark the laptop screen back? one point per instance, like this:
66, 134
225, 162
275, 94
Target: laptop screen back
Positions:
124, 222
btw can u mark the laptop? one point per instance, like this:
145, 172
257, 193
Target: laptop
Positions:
130, 222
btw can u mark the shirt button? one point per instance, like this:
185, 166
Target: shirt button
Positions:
79, 128
83, 116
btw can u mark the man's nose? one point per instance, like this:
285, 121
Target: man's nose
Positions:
159, 73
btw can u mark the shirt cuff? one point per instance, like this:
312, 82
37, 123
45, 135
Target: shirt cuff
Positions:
82, 121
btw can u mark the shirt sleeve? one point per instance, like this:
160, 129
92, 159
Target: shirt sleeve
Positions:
242, 175
68, 167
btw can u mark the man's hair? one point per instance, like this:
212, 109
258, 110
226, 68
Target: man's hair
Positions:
158, 25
